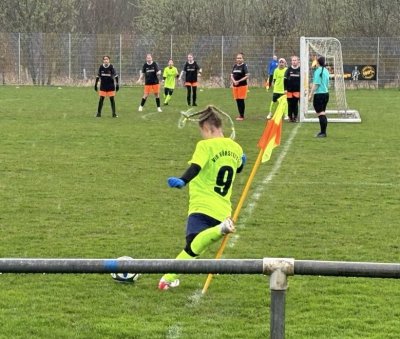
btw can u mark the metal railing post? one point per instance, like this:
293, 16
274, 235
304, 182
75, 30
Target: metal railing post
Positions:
279, 269
278, 287
19, 58
69, 57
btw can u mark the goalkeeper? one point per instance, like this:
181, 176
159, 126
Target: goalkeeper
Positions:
170, 73
210, 176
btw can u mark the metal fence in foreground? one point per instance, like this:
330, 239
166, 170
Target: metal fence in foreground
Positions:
277, 268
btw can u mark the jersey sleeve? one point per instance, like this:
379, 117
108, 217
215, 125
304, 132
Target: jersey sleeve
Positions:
114, 72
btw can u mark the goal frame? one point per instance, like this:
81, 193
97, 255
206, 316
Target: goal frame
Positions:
331, 49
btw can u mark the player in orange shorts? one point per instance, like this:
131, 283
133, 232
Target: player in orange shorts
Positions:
239, 77
150, 72
107, 75
292, 88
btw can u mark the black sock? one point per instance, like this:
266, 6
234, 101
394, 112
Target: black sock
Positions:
241, 106
194, 95
189, 92
100, 106
158, 102
112, 105
323, 122
143, 102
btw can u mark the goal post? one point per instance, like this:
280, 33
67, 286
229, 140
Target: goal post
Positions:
330, 48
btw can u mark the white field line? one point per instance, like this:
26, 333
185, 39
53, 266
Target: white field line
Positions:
260, 188
174, 332
341, 183
148, 115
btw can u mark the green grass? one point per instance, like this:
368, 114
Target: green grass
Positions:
73, 186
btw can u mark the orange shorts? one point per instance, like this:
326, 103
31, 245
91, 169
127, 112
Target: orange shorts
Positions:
107, 93
191, 84
152, 89
240, 92
290, 95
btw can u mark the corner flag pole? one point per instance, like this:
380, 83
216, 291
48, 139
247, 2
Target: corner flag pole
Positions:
235, 215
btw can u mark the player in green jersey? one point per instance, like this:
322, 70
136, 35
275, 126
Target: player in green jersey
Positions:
210, 176
278, 83
170, 73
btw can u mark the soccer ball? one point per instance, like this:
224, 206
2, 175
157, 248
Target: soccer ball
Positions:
125, 277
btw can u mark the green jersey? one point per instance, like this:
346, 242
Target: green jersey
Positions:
279, 76
321, 78
210, 191
169, 75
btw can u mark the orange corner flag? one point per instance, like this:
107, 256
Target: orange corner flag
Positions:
271, 136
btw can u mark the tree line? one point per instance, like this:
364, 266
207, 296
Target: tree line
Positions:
370, 18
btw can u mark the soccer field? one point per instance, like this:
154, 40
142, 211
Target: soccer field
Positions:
76, 186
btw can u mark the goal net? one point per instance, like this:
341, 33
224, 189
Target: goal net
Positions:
330, 48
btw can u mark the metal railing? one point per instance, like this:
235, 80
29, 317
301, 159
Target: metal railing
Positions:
277, 268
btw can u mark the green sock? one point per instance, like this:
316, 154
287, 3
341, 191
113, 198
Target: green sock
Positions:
198, 246
167, 98
271, 106
205, 239
170, 277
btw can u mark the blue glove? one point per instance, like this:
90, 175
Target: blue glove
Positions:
244, 159
175, 182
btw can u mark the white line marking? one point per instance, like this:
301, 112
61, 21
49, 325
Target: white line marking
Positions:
147, 115
341, 183
251, 205
174, 332
194, 299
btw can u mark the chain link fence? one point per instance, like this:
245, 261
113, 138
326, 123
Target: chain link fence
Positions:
73, 59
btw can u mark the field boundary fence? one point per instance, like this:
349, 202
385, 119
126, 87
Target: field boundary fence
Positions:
277, 268
56, 59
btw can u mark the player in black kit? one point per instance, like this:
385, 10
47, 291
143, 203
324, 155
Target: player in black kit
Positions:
191, 70
239, 77
292, 88
108, 85
150, 72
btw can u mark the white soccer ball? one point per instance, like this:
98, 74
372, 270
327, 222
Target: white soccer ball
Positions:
125, 277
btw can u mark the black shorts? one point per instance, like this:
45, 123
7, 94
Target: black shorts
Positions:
320, 102
276, 96
198, 222
168, 91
